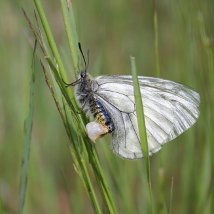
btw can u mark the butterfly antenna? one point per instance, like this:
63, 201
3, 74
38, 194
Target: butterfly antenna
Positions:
80, 48
70, 84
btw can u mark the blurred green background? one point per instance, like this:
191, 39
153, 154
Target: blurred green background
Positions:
182, 173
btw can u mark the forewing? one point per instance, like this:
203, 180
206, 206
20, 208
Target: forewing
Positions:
170, 109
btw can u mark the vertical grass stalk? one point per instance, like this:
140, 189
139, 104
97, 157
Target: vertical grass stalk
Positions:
171, 196
70, 28
141, 125
27, 142
209, 68
157, 57
50, 38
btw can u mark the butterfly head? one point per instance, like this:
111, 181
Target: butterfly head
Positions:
83, 76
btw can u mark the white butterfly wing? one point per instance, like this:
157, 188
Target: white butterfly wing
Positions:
170, 109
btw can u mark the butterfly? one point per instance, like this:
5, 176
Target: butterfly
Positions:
170, 109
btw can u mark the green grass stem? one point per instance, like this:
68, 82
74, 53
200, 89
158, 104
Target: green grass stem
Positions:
141, 125
27, 142
209, 66
156, 42
171, 196
50, 37
70, 28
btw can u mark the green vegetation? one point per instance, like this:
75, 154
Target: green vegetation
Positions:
66, 172
141, 124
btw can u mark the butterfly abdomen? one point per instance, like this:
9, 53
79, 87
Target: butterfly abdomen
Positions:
91, 106
102, 116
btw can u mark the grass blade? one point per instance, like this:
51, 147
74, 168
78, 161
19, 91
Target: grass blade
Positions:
70, 28
157, 57
26, 143
171, 196
140, 117
141, 124
50, 38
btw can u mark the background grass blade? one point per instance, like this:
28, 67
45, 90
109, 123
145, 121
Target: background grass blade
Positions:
156, 42
171, 196
71, 32
27, 140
